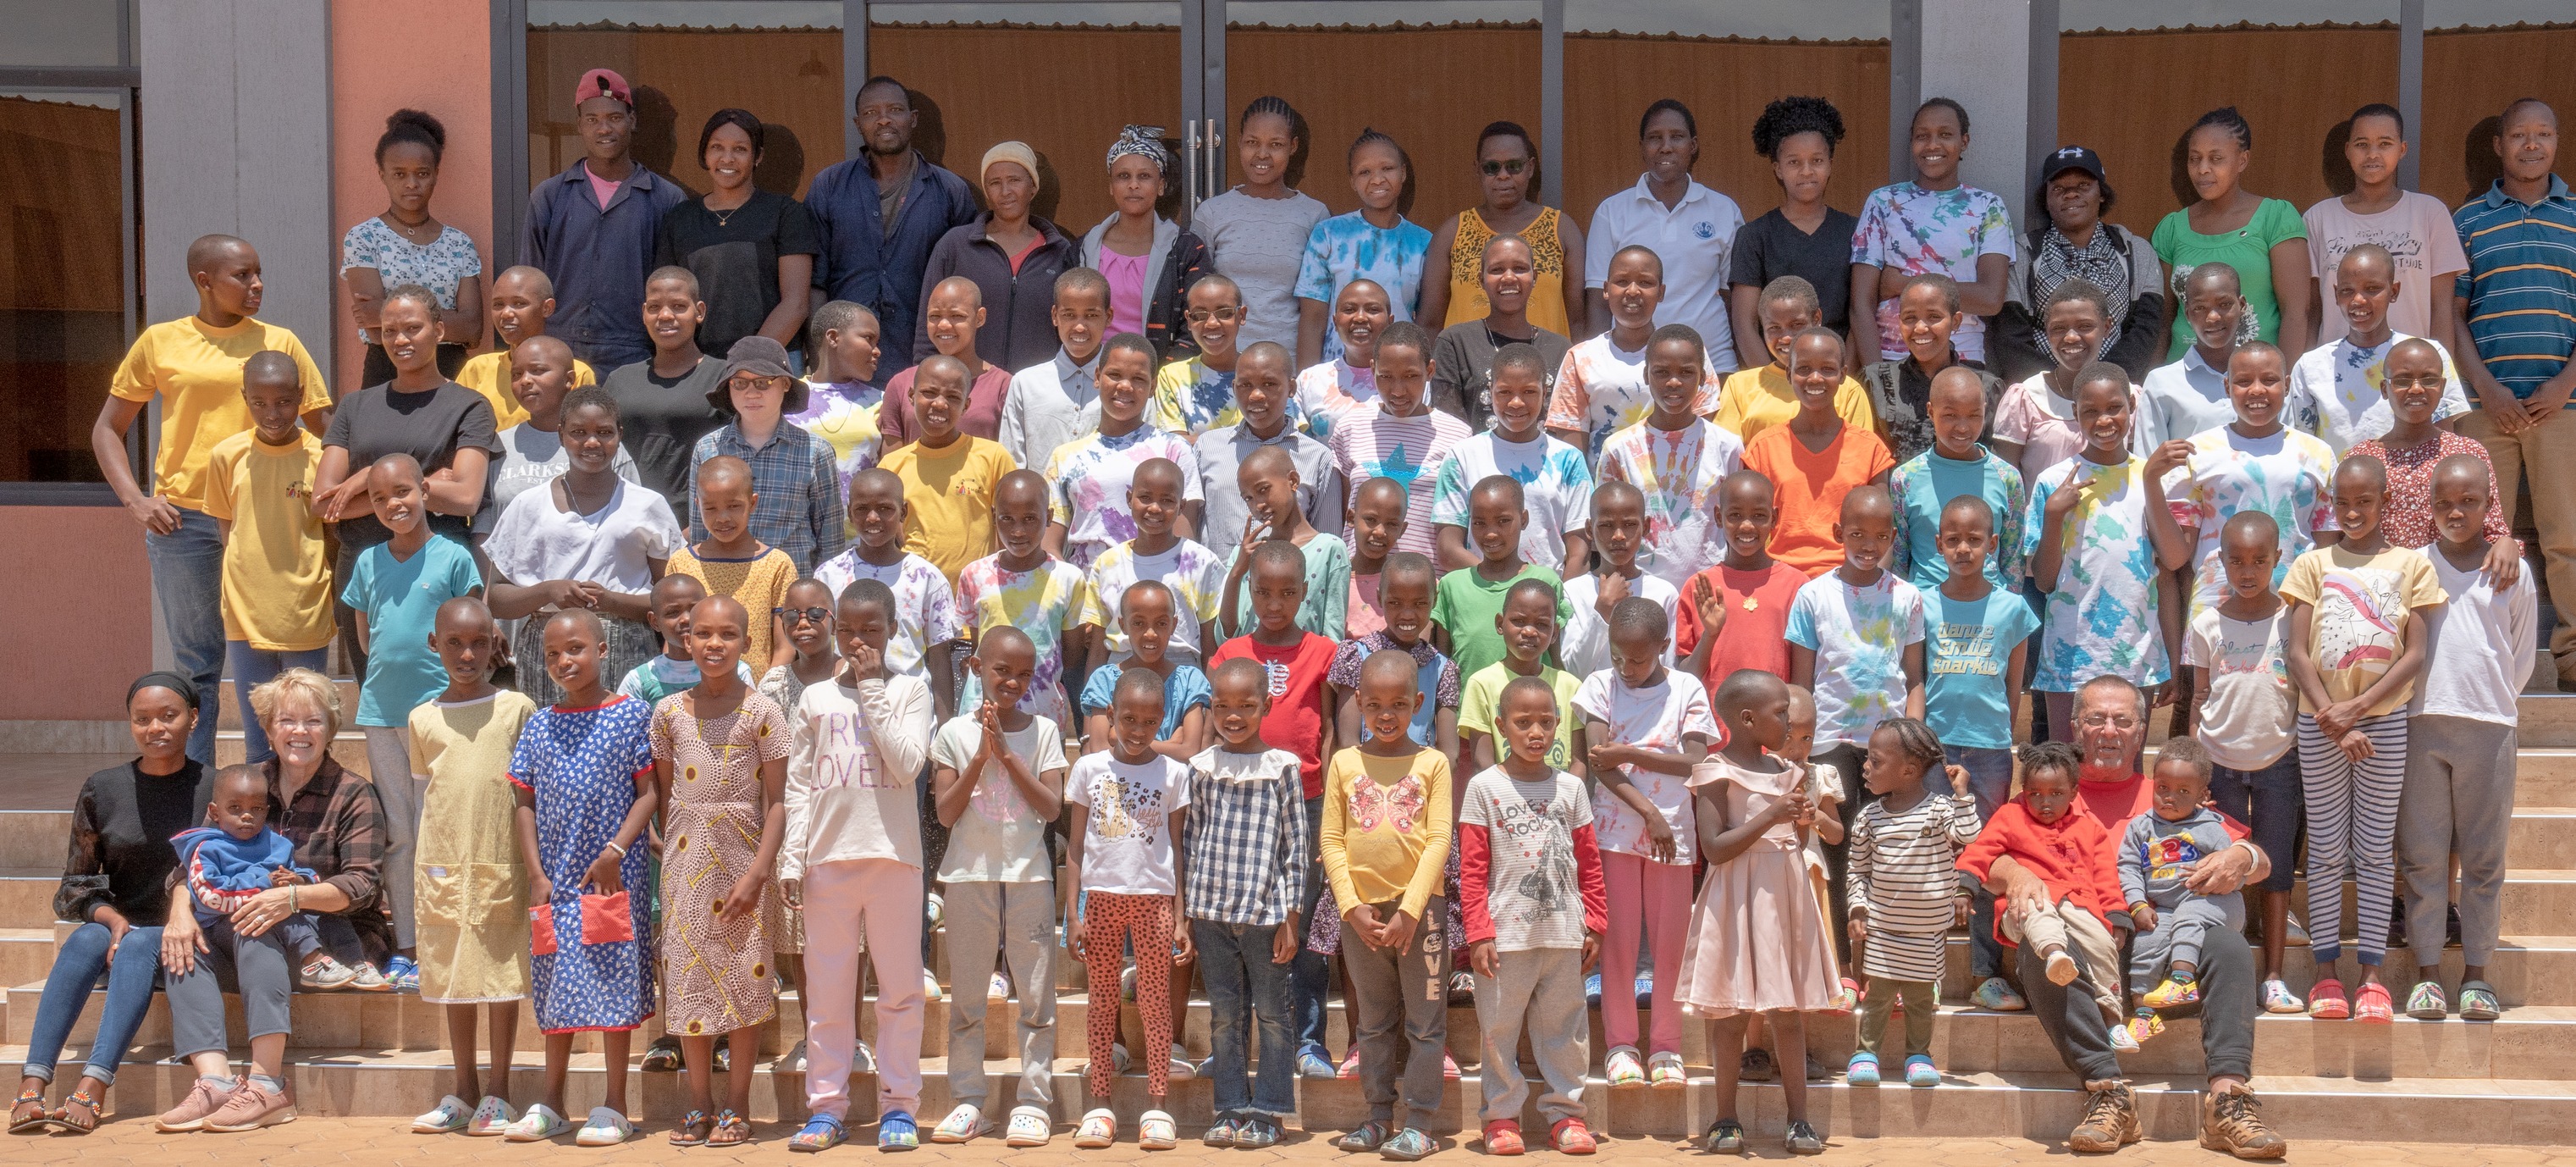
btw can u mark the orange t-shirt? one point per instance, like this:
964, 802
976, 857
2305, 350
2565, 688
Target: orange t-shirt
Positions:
1809, 486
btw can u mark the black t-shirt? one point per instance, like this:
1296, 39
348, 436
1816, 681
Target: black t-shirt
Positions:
430, 426
121, 829
660, 419
1771, 247
735, 256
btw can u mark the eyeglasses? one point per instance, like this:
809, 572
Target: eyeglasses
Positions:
802, 615
304, 725
1512, 166
2115, 720
1206, 315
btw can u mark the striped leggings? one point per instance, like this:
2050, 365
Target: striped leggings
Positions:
1109, 920
2352, 833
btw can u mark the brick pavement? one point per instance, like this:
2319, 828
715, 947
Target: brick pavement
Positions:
315, 1142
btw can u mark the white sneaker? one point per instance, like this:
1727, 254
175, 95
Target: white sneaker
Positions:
795, 1059
929, 985
1001, 990
1621, 1067
1030, 1127
492, 1117
862, 1059
936, 908
606, 1128
964, 1124
1182, 1068
539, 1124
450, 1118
2122, 1041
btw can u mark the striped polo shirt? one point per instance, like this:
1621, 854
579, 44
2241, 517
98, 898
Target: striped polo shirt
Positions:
2521, 284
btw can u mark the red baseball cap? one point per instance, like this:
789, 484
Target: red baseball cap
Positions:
603, 83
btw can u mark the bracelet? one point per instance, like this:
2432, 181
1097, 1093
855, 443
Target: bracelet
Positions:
290, 899
621, 851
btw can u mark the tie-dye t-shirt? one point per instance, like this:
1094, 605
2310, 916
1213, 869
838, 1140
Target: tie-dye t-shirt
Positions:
1370, 443
1915, 231
1859, 636
1601, 389
1190, 399
1039, 602
1087, 482
1329, 391
844, 415
925, 610
1678, 471
2339, 392
1194, 573
1556, 490
2102, 615
1347, 247
2287, 475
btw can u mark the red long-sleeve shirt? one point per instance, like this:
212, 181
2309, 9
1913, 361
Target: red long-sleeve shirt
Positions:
1475, 867
2072, 858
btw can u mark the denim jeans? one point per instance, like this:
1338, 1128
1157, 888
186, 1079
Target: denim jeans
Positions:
188, 579
130, 981
1247, 995
253, 667
1990, 778
1311, 974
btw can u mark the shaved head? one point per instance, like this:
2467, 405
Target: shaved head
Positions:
959, 287
533, 281
209, 250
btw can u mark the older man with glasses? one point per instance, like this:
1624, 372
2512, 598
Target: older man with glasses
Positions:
2111, 726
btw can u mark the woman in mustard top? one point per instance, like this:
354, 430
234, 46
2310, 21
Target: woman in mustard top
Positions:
1507, 165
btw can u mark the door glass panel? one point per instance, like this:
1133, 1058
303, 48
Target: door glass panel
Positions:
65, 294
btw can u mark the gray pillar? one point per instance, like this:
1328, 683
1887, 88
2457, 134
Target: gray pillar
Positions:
1551, 101
854, 73
236, 139
2410, 87
1978, 53
2043, 101
1904, 82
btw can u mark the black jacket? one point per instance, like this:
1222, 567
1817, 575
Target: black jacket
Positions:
1019, 326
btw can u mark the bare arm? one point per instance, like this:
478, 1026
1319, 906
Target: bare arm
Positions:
1434, 313
1985, 297
1864, 309
1311, 321
795, 287
1578, 307
1744, 314
366, 294
107, 442
2290, 287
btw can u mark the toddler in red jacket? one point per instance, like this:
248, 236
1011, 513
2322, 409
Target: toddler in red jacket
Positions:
2072, 857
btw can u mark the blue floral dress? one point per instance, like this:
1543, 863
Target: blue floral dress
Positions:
592, 965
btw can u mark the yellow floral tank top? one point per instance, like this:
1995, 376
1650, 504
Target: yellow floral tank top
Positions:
1467, 271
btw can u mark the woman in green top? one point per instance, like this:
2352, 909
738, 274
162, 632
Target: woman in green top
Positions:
2263, 239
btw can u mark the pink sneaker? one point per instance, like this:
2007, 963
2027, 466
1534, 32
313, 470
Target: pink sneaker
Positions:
251, 1107
204, 1098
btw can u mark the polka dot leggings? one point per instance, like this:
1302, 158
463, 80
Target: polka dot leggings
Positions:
1109, 923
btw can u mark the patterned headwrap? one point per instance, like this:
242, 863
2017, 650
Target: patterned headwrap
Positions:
1144, 140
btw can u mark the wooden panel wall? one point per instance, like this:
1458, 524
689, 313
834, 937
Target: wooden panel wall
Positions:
2469, 77
790, 77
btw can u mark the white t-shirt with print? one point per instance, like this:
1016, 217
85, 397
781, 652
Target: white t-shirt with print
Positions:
925, 607
999, 838
1127, 839
1655, 718
1584, 646
1533, 890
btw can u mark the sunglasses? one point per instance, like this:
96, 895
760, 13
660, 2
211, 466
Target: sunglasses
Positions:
1206, 315
1512, 166
802, 615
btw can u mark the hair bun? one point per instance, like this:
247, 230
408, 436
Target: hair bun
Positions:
419, 120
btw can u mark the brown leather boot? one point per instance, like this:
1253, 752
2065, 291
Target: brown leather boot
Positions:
2110, 1118
2232, 1121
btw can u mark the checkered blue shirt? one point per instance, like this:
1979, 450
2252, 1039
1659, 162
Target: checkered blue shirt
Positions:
798, 480
1245, 838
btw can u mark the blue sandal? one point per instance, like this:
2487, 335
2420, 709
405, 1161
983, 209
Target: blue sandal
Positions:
693, 1130
820, 1133
897, 1132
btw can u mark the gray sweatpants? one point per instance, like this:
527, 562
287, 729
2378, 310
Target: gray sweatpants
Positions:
2181, 931
389, 767
1014, 922
1407, 989
1541, 990
260, 968
2458, 797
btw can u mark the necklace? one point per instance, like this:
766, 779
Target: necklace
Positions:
410, 231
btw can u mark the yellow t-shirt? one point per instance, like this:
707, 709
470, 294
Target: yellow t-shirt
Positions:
1386, 828
489, 375
277, 573
759, 584
1755, 399
196, 371
2357, 609
948, 499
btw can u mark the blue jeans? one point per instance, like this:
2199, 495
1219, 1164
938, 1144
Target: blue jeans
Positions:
253, 667
1311, 974
130, 981
1990, 779
188, 579
1247, 994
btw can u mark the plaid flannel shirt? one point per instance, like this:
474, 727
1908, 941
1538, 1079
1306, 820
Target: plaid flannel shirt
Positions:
1246, 838
798, 480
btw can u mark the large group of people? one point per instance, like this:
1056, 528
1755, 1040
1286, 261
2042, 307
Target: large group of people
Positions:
1287, 592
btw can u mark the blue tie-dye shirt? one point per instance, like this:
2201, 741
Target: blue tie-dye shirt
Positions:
1348, 247
2102, 615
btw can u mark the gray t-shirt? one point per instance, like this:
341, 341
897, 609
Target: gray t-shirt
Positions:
1221, 452
2156, 855
999, 839
530, 458
1533, 891
1259, 244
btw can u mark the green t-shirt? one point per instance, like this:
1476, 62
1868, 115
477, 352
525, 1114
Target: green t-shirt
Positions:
1485, 691
1467, 603
2248, 249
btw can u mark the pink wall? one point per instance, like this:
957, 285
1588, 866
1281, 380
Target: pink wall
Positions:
433, 55
93, 597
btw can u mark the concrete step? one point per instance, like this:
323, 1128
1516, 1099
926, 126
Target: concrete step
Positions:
25, 954
27, 895
2037, 1105
2546, 720
34, 838
2536, 901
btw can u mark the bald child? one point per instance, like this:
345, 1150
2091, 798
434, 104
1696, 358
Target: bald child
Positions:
521, 301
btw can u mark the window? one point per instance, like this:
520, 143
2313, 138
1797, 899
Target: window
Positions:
66, 274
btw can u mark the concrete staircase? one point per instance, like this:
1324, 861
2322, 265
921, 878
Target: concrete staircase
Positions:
2513, 1080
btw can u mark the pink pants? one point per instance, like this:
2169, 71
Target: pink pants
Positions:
884, 897
1658, 897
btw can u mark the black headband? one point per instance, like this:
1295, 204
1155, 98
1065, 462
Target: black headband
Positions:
185, 688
